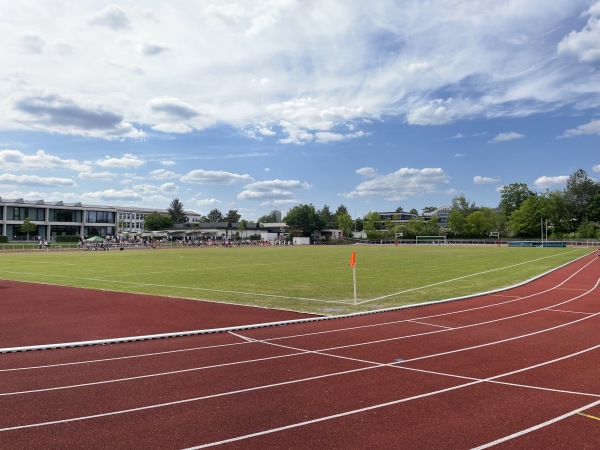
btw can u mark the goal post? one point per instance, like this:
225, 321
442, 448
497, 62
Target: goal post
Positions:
431, 240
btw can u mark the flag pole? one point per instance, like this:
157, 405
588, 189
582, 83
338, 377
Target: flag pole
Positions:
354, 279
353, 265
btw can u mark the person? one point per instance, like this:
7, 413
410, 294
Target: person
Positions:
598, 253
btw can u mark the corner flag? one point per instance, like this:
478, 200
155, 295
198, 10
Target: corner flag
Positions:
353, 259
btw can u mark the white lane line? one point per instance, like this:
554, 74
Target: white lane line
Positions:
249, 340
462, 327
196, 332
429, 324
300, 351
393, 403
537, 427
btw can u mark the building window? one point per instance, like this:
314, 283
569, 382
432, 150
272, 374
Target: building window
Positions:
65, 215
100, 217
17, 213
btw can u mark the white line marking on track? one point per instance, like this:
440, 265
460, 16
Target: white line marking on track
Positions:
324, 353
428, 324
537, 427
317, 333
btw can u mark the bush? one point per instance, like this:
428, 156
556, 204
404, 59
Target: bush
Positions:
3, 239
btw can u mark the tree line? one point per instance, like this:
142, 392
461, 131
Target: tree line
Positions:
570, 213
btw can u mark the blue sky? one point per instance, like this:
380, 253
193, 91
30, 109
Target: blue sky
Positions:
262, 105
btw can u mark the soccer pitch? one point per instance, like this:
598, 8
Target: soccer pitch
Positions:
313, 279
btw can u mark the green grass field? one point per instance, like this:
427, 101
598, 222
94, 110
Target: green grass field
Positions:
315, 279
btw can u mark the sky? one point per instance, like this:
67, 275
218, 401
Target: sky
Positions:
257, 106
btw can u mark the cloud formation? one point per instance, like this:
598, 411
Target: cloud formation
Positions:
509, 136
399, 185
200, 176
283, 67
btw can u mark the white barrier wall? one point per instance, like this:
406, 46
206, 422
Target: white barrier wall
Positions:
301, 241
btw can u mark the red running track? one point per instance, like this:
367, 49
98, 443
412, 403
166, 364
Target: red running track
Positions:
518, 369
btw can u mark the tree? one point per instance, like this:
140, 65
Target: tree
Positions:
555, 208
481, 222
28, 227
372, 221
457, 223
340, 211
579, 191
345, 223
461, 204
593, 209
215, 216
418, 226
525, 221
177, 212
512, 197
268, 218
587, 230
326, 217
155, 221
429, 209
414, 211
232, 216
399, 209
303, 218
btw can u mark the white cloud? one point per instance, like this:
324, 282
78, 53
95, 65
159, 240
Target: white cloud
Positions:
162, 174
34, 180
55, 113
153, 48
545, 182
112, 17
434, 113
285, 67
399, 185
509, 136
592, 127
273, 192
112, 195
584, 44
169, 188
32, 44
98, 176
200, 176
127, 160
596, 168
17, 160
485, 180
205, 201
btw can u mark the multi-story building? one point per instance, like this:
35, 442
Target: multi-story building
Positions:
55, 219
72, 219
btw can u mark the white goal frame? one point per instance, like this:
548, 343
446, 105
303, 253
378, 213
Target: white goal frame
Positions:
431, 240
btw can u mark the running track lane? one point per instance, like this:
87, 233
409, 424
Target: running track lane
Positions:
516, 370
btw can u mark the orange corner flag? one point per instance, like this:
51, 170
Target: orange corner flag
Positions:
353, 259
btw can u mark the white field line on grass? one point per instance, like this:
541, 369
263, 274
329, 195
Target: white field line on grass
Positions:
269, 324
456, 279
284, 297
336, 330
325, 351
